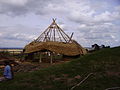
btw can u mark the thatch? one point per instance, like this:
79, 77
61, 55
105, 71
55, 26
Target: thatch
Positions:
70, 49
49, 41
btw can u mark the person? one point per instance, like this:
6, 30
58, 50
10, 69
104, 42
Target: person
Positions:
8, 72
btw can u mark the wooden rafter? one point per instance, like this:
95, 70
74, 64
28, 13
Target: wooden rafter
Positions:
52, 32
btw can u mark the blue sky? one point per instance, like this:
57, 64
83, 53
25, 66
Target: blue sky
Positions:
92, 21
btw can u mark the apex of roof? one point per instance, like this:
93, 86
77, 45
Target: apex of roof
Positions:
54, 33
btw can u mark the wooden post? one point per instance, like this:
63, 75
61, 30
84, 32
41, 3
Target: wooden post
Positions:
40, 60
51, 58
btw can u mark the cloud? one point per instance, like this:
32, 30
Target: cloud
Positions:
106, 33
91, 21
117, 8
23, 7
96, 27
89, 17
20, 37
13, 7
14, 2
107, 17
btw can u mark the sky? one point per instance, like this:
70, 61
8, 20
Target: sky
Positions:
91, 21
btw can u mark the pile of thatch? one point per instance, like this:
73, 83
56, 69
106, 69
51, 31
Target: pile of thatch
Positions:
70, 49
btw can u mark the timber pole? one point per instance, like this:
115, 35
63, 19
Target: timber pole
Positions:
40, 58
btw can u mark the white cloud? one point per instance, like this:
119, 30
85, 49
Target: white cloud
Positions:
14, 2
117, 8
0, 34
103, 17
89, 17
91, 21
17, 35
107, 16
22, 36
106, 33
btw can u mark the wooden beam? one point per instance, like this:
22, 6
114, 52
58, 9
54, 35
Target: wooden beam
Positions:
54, 19
62, 31
71, 37
54, 34
50, 35
62, 35
59, 36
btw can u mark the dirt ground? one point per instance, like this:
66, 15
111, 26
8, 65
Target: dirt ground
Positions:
28, 66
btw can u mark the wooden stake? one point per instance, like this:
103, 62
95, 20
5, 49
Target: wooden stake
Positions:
82, 81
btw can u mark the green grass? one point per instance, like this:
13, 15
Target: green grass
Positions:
105, 64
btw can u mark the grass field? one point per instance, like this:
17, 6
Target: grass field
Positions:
104, 64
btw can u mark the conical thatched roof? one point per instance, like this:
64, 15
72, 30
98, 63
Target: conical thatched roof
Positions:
54, 39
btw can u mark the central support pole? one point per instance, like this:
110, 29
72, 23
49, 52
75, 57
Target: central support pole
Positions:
40, 60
